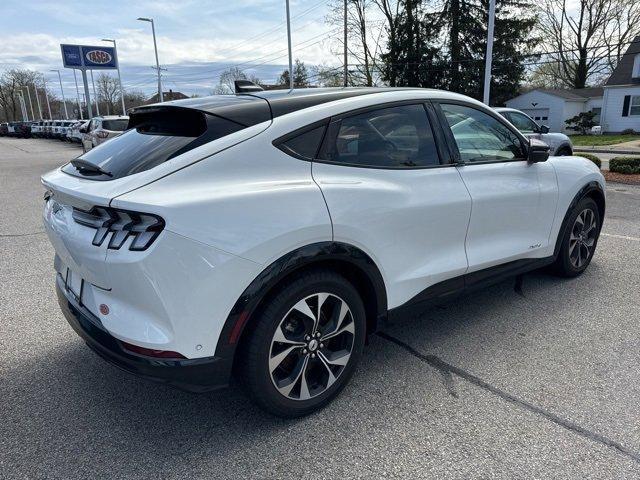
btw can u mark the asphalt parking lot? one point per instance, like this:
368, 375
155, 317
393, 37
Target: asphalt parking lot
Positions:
543, 384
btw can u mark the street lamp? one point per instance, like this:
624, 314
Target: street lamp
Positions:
115, 48
33, 115
66, 114
155, 47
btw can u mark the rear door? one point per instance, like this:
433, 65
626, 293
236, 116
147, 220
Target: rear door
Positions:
513, 201
391, 192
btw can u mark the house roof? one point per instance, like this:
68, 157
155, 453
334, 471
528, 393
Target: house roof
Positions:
577, 94
167, 96
621, 75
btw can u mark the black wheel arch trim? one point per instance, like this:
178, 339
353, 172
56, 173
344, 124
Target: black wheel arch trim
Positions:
590, 187
316, 254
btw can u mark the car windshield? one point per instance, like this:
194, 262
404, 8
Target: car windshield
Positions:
118, 125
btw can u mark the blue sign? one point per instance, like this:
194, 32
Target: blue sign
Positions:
89, 57
71, 56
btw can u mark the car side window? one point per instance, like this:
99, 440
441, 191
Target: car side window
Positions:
305, 144
522, 122
392, 137
481, 137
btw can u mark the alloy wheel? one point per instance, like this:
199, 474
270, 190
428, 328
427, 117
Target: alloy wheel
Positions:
311, 346
582, 238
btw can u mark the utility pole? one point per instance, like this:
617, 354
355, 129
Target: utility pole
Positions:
75, 78
115, 49
290, 52
95, 96
155, 47
66, 114
487, 66
38, 100
346, 69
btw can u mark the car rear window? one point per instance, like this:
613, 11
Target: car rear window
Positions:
155, 136
119, 125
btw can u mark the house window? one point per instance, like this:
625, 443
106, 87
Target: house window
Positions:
634, 107
596, 114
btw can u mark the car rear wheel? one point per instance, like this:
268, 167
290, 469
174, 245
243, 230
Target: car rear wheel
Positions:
564, 152
305, 346
579, 240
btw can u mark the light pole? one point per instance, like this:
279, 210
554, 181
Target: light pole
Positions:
75, 78
35, 88
290, 52
115, 49
23, 107
155, 47
46, 96
488, 60
33, 115
95, 97
346, 71
66, 114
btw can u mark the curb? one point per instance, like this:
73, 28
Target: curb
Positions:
621, 152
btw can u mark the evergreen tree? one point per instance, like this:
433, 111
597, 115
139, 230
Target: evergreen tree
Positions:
446, 48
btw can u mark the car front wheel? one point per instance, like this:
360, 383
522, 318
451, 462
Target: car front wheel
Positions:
580, 239
305, 346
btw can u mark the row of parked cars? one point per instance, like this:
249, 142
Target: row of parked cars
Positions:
88, 133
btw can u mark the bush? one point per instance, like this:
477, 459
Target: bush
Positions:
583, 122
628, 131
627, 165
593, 158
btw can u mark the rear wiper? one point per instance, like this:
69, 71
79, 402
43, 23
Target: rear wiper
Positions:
81, 164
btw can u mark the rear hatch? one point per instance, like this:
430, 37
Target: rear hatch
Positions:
159, 140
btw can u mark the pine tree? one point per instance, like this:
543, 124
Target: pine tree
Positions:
446, 48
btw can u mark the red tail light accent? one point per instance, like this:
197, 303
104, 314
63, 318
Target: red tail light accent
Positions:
237, 328
149, 352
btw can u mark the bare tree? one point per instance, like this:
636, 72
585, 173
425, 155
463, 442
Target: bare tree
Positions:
12, 82
226, 83
108, 92
364, 35
587, 39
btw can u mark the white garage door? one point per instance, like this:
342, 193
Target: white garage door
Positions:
540, 115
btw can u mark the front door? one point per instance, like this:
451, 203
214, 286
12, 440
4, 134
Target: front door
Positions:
513, 201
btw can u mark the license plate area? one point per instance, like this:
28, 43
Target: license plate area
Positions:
73, 284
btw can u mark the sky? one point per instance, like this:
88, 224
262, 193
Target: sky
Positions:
197, 39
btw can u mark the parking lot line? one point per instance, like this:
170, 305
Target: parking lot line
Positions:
623, 237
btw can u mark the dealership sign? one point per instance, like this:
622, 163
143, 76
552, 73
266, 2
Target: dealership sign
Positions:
89, 57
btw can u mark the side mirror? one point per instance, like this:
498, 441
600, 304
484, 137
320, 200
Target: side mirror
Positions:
544, 129
538, 151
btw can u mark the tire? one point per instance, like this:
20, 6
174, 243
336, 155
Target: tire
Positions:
313, 362
564, 152
571, 262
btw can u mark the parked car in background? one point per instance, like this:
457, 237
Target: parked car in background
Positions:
103, 128
65, 128
74, 135
23, 129
35, 128
268, 234
4, 129
11, 129
559, 143
48, 129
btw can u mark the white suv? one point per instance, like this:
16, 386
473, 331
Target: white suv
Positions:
269, 233
101, 129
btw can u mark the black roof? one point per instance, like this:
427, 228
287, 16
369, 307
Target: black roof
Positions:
257, 107
622, 74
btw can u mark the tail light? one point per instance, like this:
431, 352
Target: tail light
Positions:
143, 228
102, 134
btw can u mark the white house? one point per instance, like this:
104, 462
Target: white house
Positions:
621, 102
616, 105
552, 107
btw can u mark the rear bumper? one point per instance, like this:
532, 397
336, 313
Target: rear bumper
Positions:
194, 375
